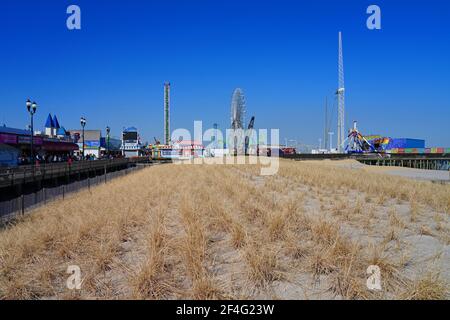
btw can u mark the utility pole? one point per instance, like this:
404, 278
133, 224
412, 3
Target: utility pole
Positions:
331, 140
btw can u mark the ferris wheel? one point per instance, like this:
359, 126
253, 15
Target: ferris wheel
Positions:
238, 109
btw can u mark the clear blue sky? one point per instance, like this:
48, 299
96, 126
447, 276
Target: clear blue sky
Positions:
282, 53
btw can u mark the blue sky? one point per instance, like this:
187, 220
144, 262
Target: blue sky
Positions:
282, 53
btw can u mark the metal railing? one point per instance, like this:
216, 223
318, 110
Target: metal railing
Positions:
418, 161
19, 206
29, 173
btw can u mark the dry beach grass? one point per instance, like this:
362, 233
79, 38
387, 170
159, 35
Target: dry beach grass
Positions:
225, 232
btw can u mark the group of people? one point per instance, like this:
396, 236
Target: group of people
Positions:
39, 159
24, 160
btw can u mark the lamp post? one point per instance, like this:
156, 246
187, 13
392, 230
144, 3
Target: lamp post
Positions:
31, 107
108, 130
83, 124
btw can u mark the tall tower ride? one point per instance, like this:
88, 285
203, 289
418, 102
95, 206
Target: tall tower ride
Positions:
167, 113
341, 100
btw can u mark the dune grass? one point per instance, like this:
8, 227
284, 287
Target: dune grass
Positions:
223, 231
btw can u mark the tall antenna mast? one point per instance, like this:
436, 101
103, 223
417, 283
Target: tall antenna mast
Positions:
167, 113
341, 100
325, 129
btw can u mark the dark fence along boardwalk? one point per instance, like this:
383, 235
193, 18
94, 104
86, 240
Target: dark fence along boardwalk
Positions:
26, 187
30, 174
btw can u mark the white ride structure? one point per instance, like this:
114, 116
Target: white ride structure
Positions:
340, 92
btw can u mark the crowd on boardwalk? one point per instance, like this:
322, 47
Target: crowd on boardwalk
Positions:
24, 160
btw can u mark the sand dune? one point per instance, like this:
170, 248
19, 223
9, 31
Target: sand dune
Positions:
224, 231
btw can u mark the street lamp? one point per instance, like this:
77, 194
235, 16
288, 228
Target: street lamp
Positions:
83, 124
31, 107
108, 130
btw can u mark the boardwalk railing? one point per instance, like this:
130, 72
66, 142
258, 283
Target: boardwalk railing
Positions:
418, 161
18, 206
25, 174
